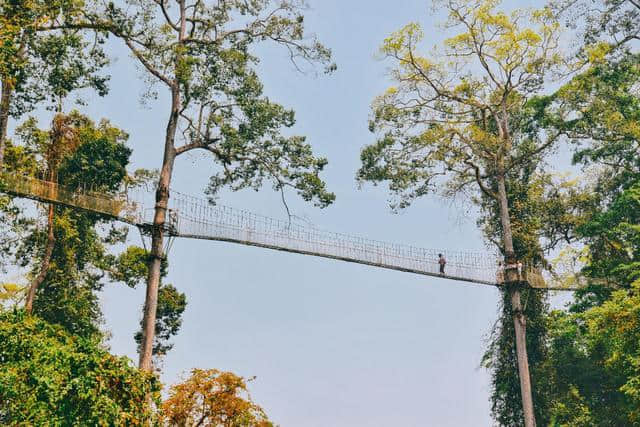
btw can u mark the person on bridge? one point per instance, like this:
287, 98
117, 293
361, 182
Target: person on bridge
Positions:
519, 267
500, 273
442, 263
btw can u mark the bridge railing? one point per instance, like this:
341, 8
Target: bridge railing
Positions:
195, 217
199, 210
112, 205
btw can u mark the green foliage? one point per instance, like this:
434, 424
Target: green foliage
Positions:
500, 358
599, 110
21, 158
595, 362
545, 212
94, 156
593, 345
68, 295
43, 57
51, 377
69, 63
132, 268
612, 22
526, 200
171, 305
212, 76
99, 162
453, 120
17, 19
462, 120
613, 237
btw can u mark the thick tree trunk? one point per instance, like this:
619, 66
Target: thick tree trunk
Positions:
160, 216
157, 238
46, 261
519, 319
5, 102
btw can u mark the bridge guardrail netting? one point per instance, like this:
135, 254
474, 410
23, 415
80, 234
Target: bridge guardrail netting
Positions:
195, 217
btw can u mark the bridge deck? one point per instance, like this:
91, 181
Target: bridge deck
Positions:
195, 218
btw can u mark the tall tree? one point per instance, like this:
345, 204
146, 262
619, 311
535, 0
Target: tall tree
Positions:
453, 121
592, 345
201, 53
599, 110
44, 56
593, 357
71, 258
60, 142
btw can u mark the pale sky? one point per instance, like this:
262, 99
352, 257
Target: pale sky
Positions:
330, 343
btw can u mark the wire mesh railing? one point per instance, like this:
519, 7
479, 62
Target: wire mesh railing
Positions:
114, 205
194, 217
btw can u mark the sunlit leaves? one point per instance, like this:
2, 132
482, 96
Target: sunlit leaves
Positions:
213, 398
223, 110
50, 377
85, 155
455, 114
40, 63
11, 292
595, 362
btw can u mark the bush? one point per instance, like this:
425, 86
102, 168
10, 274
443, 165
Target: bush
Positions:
49, 377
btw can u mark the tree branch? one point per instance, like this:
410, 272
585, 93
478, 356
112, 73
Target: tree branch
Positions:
478, 177
147, 64
199, 145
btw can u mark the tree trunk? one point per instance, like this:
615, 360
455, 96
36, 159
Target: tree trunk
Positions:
519, 319
157, 238
5, 103
46, 261
160, 215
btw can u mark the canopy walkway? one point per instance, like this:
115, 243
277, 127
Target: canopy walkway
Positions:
196, 218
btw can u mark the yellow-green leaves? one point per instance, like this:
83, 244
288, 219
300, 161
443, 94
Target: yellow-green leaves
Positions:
595, 364
456, 110
11, 292
597, 52
501, 42
402, 39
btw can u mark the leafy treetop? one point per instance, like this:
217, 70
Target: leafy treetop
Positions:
457, 113
201, 51
214, 398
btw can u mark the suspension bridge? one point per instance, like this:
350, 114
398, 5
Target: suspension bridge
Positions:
196, 218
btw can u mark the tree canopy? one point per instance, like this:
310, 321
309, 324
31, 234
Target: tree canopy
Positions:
52, 376
45, 56
480, 117
202, 53
461, 120
213, 398
454, 120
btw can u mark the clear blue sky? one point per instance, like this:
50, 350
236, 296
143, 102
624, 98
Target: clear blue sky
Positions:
331, 344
